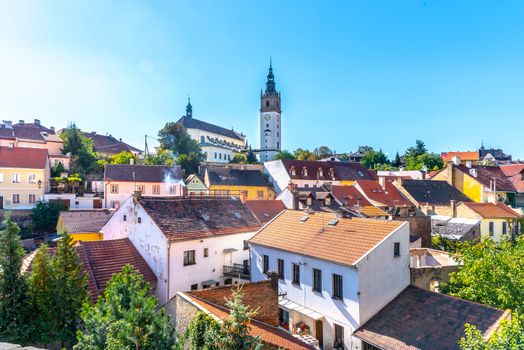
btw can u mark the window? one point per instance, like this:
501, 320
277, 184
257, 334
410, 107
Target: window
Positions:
309, 201
194, 286
260, 194
278, 144
267, 125
339, 337
189, 257
320, 173
317, 280
327, 201
32, 198
139, 220
304, 172
1, 177
31, 178
141, 188
229, 157
220, 156
124, 218
293, 172
491, 228
215, 155
337, 287
16, 198
280, 264
171, 189
396, 249
228, 281
283, 318
156, 189
206, 252
265, 263
246, 246
114, 188
504, 228
267, 103
296, 274
16, 178
115, 204
202, 139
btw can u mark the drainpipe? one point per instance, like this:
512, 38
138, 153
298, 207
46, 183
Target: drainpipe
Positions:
105, 193
168, 268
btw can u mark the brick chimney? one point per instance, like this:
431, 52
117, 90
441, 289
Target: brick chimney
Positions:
137, 195
449, 173
382, 181
37, 121
453, 208
273, 278
21, 122
52, 128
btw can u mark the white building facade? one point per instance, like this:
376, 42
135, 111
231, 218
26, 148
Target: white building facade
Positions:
270, 120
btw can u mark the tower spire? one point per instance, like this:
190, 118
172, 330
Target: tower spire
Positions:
270, 83
189, 108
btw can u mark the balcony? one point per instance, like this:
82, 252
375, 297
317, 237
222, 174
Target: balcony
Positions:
237, 270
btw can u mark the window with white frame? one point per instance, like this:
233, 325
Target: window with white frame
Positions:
31, 178
16, 198
114, 188
156, 189
16, 178
32, 198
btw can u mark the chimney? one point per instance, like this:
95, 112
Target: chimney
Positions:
382, 181
400, 181
52, 128
131, 161
273, 278
120, 139
93, 132
138, 195
449, 173
21, 122
243, 197
453, 208
455, 160
37, 121
185, 192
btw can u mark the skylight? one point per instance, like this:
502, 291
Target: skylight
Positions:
205, 217
237, 214
333, 222
304, 218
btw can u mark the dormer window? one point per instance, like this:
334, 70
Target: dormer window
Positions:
332, 173
309, 201
320, 172
304, 171
293, 172
327, 201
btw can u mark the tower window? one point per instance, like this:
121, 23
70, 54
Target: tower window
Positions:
267, 125
202, 139
267, 103
278, 144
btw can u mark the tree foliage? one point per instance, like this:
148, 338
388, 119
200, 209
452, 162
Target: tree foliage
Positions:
125, 318
15, 313
491, 274
123, 157
251, 158
416, 157
509, 337
374, 159
58, 169
284, 154
162, 157
45, 215
322, 152
83, 155
397, 162
304, 154
174, 137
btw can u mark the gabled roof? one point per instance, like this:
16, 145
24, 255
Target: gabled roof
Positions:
312, 235
388, 197
235, 177
194, 218
273, 336
486, 175
192, 123
493, 211
266, 210
433, 192
144, 173
515, 172
349, 196
85, 220
21, 157
33, 132
420, 319
326, 170
464, 156
454, 228
109, 144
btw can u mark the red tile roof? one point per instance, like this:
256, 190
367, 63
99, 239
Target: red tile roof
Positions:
349, 196
196, 218
266, 210
493, 211
343, 243
389, 197
515, 173
420, 319
270, 335
109, 145
464, 156
327, 171
85, 220
21, 157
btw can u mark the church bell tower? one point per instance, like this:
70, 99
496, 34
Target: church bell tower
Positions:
270, 119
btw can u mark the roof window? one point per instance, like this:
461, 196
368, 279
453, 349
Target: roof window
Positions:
360, 173
304, 218
205, 217
237, 214
333, 222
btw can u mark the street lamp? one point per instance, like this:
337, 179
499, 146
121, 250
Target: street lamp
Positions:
39, 183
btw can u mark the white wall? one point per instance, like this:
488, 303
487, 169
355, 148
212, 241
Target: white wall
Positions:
127, 188
271, 139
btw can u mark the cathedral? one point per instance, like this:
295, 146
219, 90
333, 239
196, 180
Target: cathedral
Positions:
270, 119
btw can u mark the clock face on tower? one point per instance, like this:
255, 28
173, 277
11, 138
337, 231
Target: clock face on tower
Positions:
267, 117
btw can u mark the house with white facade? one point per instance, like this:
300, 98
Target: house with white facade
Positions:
314, 173
218, 144
122, 180
346, 282
189, 243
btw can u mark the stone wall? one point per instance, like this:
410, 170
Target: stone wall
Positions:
424, 277
420, 226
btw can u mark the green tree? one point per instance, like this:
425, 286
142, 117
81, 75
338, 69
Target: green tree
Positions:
365, 149
202, 331
125, 318
123, 157
304, 154
42, 291
491, 274
174, 137
283, 154
510, 336
239, 158
15, 307
70, 289
417, 150
322, 152
45, 215
251, 158
397, 162
83, 155
162, 157
58, 169
373, 159
417, 157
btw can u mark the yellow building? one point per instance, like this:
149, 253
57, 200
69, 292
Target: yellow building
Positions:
84, 224
24, 176
497, 221
243, 183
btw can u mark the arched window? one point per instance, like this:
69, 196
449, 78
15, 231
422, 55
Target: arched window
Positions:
320, 172
267, 103
304, 171
332, 173
202, 139
293, 172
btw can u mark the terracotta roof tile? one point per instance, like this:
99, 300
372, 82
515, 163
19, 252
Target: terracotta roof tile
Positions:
266, 210
85, 220
194, 218
419, 319
389, 197
270, 335
21, 157
464, 156
349, 196
491, 210
515, 174
344, 243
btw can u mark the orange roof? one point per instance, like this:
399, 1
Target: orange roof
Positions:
464, 156
370, 211
344, 243
493, 211
349, 196
389, 197
265, 210
21, 157
268, 334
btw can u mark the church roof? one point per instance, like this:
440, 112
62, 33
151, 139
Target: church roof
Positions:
192, 123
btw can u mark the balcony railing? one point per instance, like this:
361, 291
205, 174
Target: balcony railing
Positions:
237, 270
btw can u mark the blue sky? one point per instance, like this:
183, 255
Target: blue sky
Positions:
380, 73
